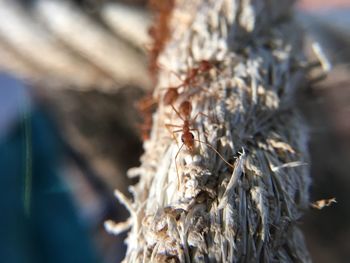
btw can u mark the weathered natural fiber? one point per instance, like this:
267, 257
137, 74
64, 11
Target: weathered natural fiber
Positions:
218, 214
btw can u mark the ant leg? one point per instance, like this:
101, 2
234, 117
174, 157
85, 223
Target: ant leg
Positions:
169, 75
177, 113
177, 171
211, 147
175, 136
173, 125
161, 66
176, 75
168, 127
201, 88
203, 114
170, 87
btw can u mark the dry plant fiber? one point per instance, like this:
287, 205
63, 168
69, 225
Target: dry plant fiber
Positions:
190, 205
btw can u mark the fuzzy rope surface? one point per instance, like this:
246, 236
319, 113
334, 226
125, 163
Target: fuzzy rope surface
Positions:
215, 212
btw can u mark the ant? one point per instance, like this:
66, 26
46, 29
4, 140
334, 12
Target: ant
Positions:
187, 137
203, 67
146, 106
145, 127
172, 92
159, 31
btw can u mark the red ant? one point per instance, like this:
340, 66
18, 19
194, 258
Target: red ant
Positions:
145, 127
187, 137
203, 67
159, 31
146, 107
172, 92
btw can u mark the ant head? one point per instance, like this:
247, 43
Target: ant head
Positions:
192, 72
205, 65
152, 31
170, 96
188, 140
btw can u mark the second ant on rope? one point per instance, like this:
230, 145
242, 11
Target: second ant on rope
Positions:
173, 92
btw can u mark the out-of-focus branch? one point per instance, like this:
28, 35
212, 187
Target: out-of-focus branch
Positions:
33, 43
83, 35
130, 22
69, 48
11, 62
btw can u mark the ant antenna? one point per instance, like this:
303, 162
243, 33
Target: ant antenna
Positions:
216, 151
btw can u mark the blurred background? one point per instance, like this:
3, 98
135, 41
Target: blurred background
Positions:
71, 72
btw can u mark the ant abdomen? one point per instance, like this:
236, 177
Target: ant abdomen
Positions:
170, 96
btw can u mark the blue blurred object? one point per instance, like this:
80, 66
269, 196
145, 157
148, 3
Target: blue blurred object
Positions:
38, 221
